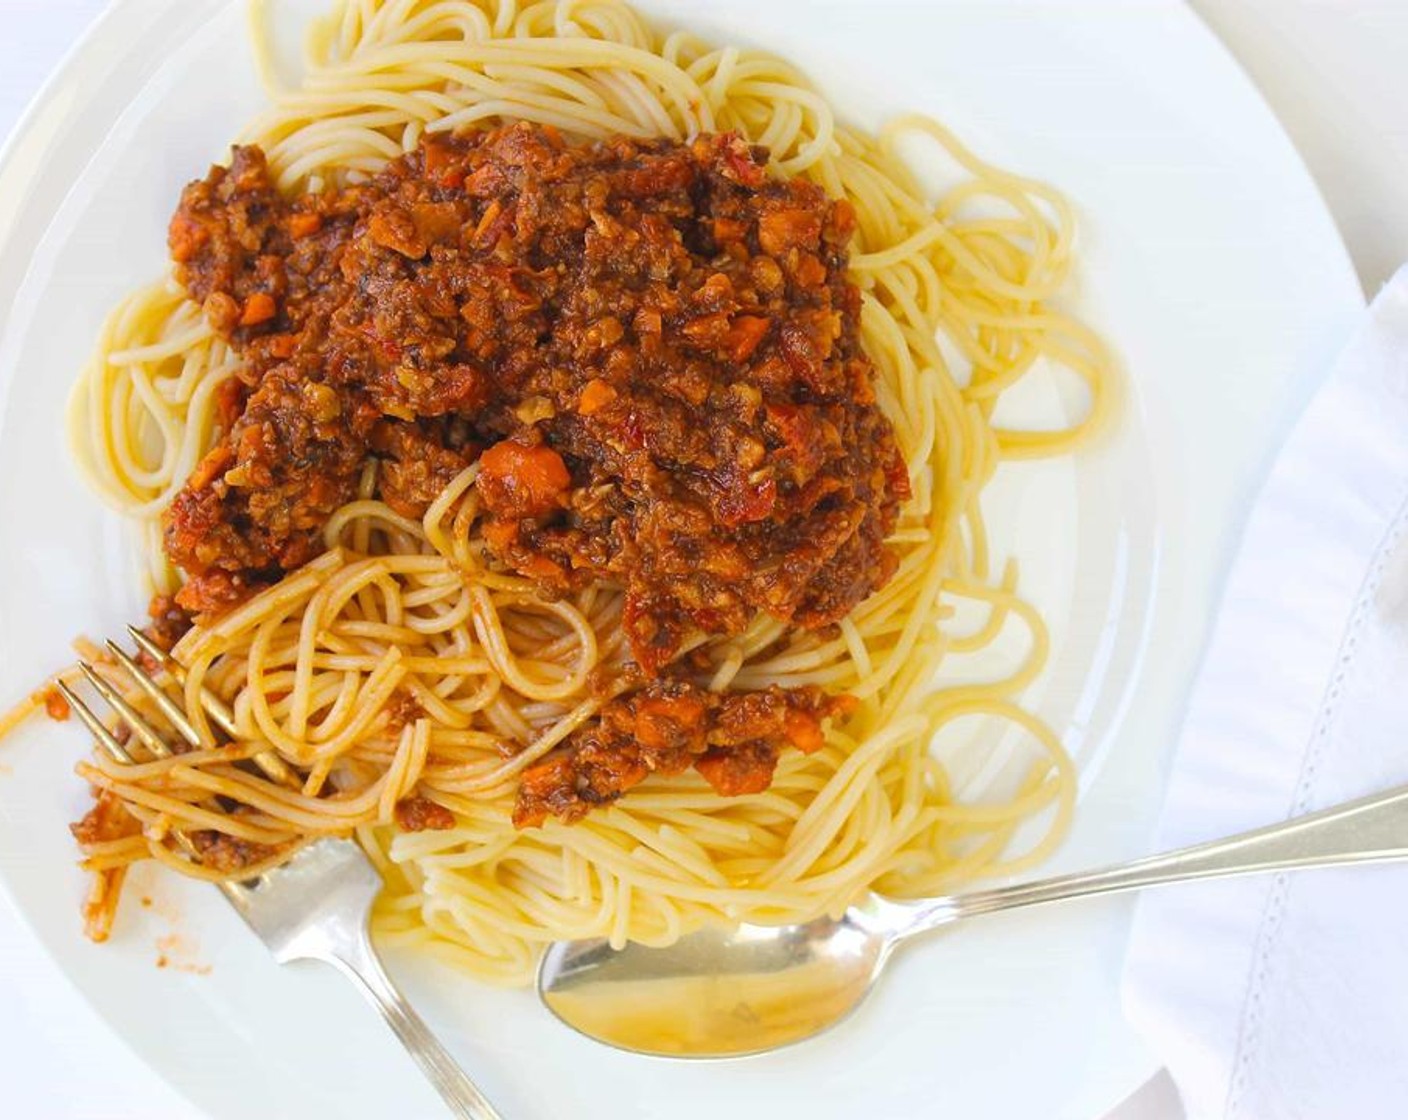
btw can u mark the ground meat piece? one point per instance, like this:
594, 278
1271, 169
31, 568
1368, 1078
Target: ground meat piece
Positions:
732, 739
401, 709
419, 460
170, 621
108, 819
257, 504
228, 854
745, 768
415, 814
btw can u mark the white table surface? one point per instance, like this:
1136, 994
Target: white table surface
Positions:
1333, 72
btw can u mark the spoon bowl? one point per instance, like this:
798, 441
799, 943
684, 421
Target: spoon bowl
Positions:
723, 992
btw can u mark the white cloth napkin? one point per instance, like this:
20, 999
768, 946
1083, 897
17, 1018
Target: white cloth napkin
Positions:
1287, 996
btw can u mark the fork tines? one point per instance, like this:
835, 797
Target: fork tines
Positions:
216, 708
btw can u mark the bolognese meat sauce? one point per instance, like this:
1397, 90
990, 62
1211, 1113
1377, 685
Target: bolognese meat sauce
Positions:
650, 348
732, 738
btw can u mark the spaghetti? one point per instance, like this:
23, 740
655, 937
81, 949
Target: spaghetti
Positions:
404, 667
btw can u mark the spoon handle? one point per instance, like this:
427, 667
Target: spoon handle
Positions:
1371, 829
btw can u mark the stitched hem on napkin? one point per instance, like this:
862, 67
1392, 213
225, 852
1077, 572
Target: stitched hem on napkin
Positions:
1200, 958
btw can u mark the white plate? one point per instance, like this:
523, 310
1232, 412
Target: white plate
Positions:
1208, 261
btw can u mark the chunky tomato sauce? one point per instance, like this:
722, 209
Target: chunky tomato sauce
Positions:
650, 348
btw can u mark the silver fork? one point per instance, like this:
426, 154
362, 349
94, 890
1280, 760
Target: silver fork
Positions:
313, 907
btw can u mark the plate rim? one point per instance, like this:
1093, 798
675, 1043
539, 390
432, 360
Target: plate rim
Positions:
120, 15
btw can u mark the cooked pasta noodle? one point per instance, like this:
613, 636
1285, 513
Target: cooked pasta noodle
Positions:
958, 294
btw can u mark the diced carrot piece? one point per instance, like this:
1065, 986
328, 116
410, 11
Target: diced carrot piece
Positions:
211, 467
707, 330
780, 230
486, 179
729, 229
229, 402
500, 534
55, 706
282, 345
518, 480
184, 237
596, 394
258, 308
486, 221
804, 730
810, 272
304, 225
436, 222
843, 217
733, 773
744, 334
660, 720
437, 159
540, 567
392, 228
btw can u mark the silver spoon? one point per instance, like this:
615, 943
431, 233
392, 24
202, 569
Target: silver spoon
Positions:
726, 992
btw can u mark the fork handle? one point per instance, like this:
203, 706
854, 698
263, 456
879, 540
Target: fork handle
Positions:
358, 961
